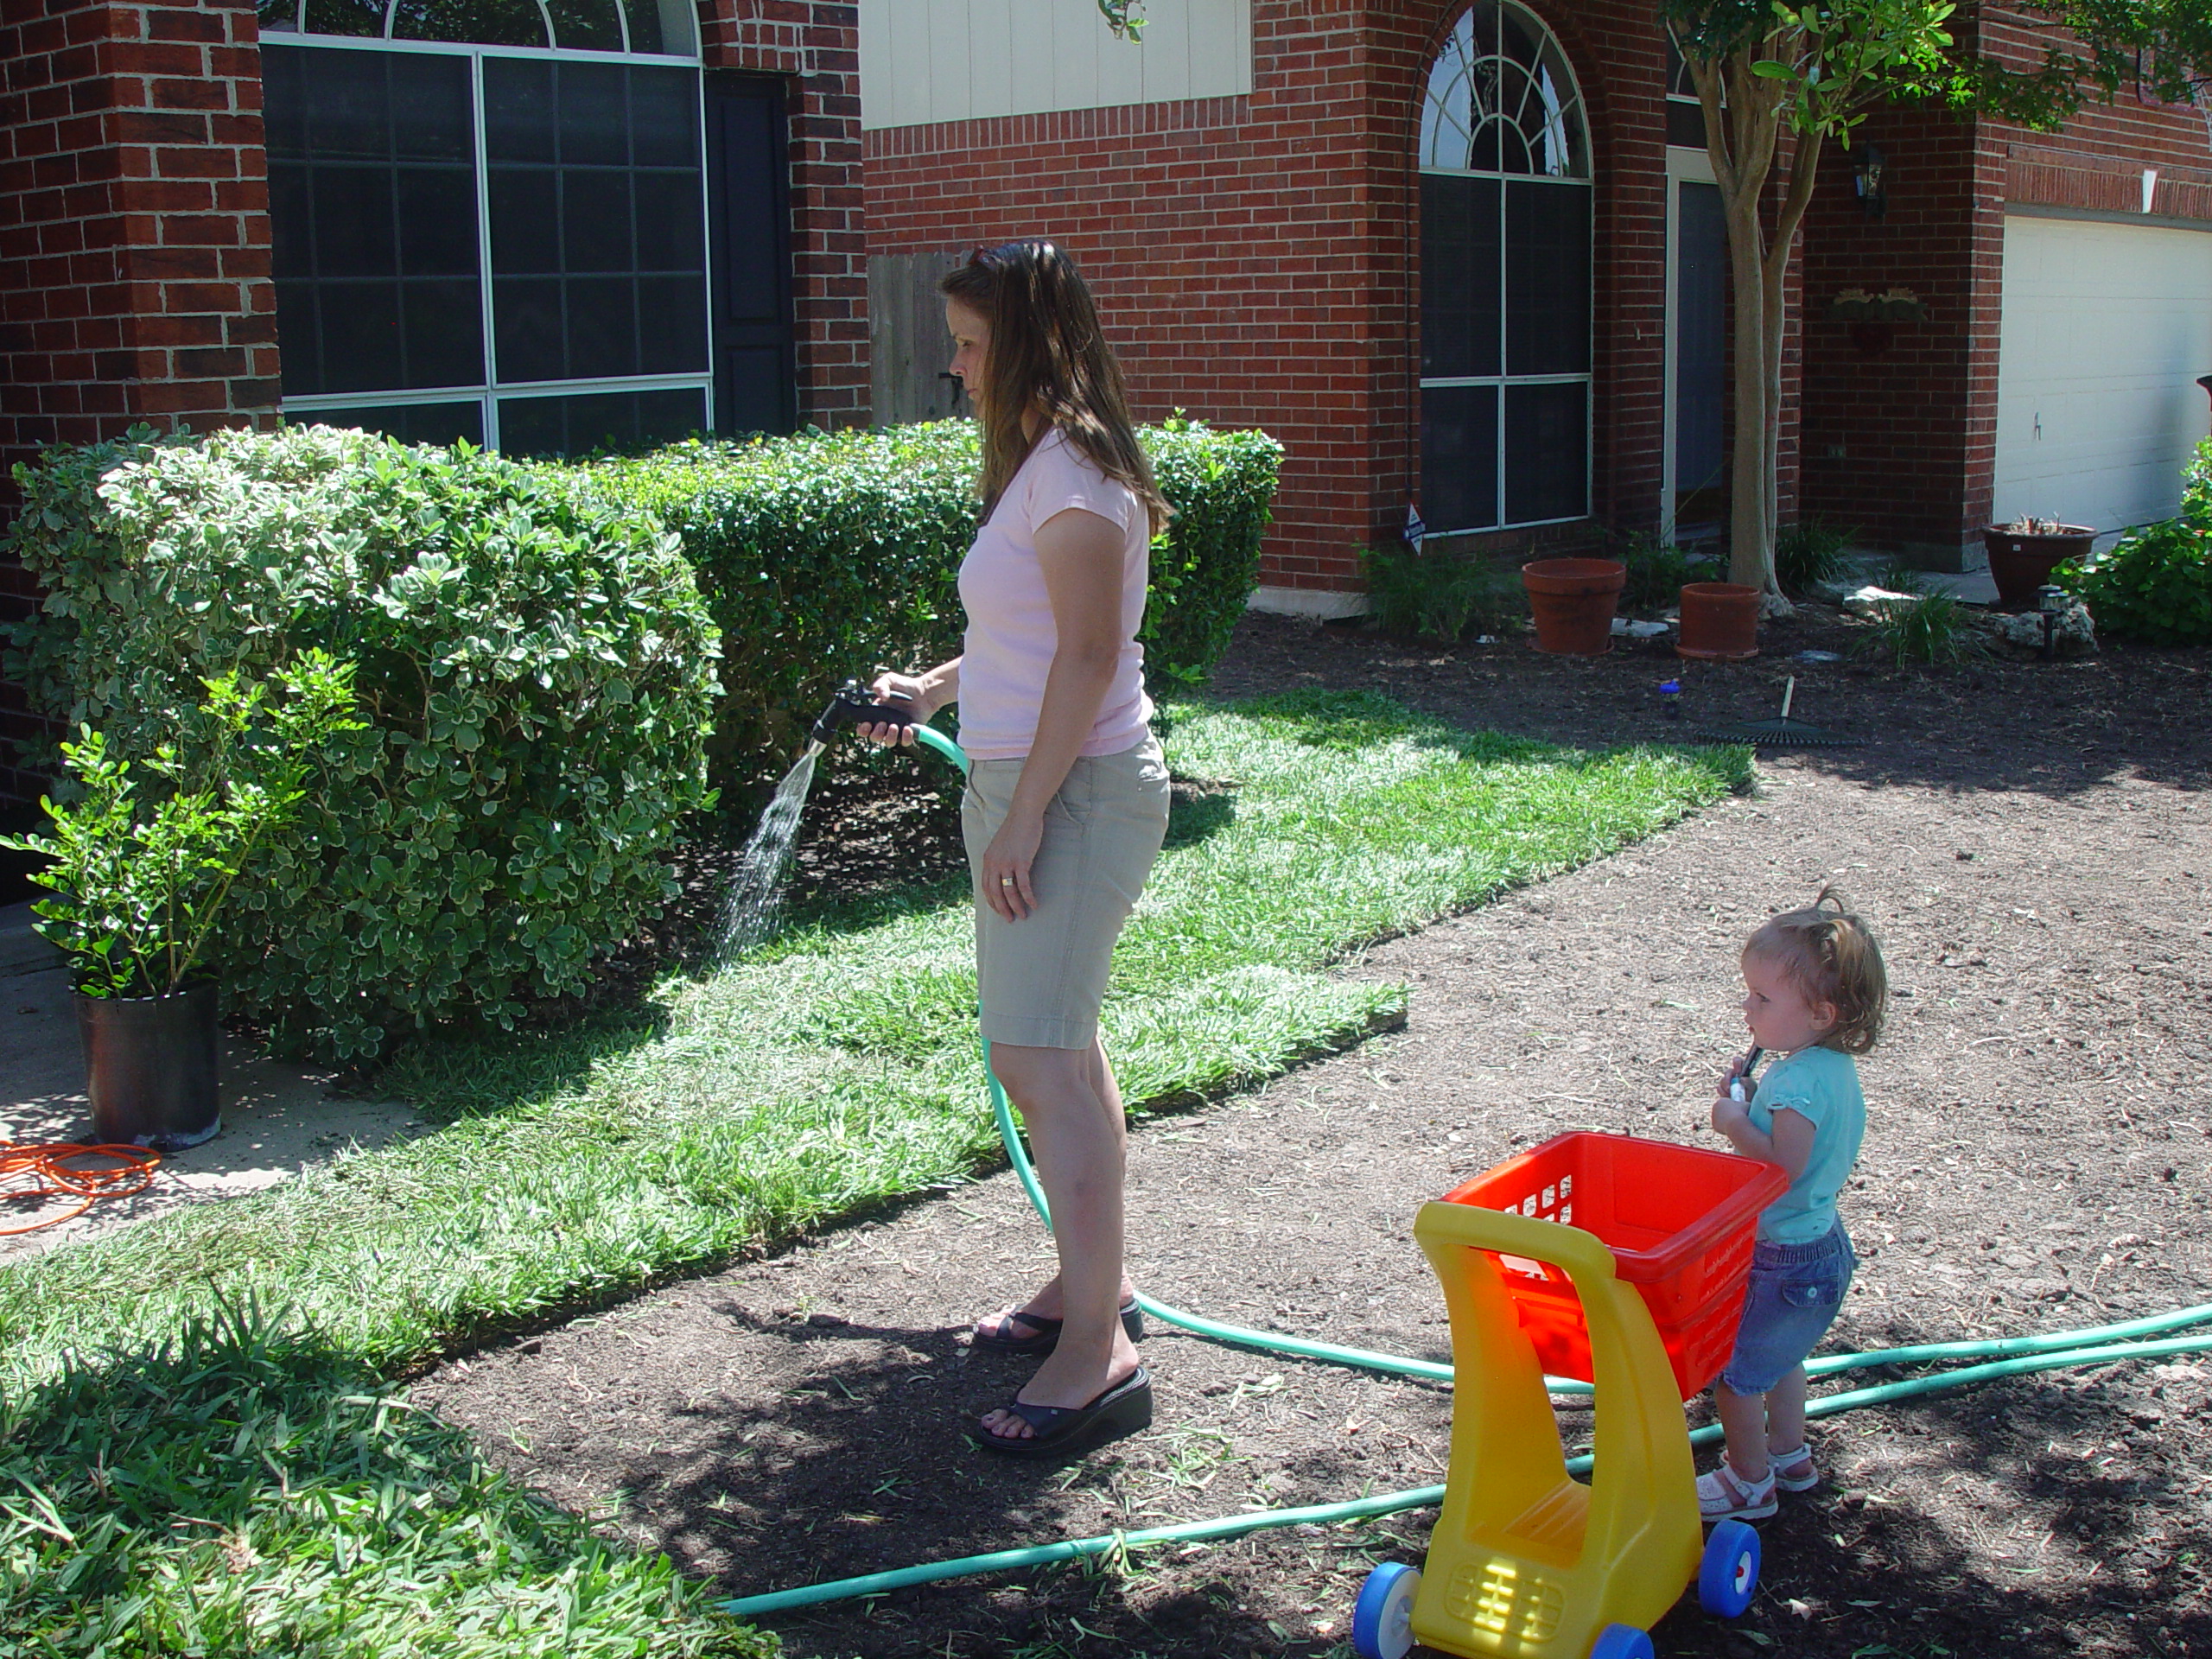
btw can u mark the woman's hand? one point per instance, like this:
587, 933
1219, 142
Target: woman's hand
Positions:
1005, 873
894, 687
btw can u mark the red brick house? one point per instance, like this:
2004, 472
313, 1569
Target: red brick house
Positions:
1468, 256
1452, 254
536, 226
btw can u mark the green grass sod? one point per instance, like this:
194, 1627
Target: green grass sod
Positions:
833, 1068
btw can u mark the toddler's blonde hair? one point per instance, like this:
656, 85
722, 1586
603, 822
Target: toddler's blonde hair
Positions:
1831, 957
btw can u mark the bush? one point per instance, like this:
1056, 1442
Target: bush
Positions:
2155, 586
1808, 552
1657, 571
1928, 628
1439, 596
825, 555
536, 670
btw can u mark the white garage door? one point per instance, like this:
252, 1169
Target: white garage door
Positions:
2106, 328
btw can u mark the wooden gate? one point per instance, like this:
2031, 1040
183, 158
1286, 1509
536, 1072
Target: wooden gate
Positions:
908, 348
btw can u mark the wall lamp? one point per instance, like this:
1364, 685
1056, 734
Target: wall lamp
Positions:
1866, 177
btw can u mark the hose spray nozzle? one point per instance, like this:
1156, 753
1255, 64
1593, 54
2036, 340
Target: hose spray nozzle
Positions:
852, 706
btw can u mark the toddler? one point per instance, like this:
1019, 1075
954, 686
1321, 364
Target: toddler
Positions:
1813, 992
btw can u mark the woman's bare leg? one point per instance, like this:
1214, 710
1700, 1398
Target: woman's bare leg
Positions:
1072, 1108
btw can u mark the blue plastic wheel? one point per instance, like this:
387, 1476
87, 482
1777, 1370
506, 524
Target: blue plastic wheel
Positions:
1621, 1642
1383, 1621
1729, 1572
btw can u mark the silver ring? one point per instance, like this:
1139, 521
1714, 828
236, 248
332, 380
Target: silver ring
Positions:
1006, 880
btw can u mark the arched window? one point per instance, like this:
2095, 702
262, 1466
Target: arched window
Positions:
1505, 278
491, 220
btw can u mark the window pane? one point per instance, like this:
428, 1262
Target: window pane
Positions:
602, 326
1459, 276
595, 180
1547, 279
443, 334
299, 337
519, 116
1547, 449
665, 118
438, 221
532, 339
669, 26
1685, 125
486, 23
408, 422
671, 325
586, 25
373, 212
622, 421
354, 235
595, 229
1459, 457
278, 16
360, 337
359, 18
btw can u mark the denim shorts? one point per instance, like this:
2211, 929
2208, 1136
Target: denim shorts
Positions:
1793, 1297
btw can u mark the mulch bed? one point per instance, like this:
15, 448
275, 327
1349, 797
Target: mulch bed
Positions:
2032, 840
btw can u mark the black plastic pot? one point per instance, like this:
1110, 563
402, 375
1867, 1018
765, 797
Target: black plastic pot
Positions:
153, 1063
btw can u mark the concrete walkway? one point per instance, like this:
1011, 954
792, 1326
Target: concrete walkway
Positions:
276, 1118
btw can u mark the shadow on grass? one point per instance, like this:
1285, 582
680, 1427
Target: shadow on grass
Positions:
234, 1492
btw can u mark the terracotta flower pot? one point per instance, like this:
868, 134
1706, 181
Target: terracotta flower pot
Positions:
2023, 563
1572, 601
1720, 621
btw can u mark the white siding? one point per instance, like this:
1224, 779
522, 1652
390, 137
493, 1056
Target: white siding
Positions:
2106, 328
927, 61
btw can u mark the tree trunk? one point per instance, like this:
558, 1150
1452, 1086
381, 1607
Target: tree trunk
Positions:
1744, 135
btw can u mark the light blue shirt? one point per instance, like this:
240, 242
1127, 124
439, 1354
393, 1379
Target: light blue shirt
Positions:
1821, 1084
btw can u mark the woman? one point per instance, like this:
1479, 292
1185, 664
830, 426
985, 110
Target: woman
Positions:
1067, 800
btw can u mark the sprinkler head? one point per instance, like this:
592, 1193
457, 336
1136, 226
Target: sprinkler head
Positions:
852, 705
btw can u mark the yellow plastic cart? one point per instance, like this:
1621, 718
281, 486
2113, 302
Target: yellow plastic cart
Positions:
1525, 1562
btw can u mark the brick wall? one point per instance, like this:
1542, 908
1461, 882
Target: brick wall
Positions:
815, 46
134, 237
1257, 258
134, 225
1903, 445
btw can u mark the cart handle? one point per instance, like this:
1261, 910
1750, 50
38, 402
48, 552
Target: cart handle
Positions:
1582, 1254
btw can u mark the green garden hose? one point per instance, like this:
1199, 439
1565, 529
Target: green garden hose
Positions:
2000, 1357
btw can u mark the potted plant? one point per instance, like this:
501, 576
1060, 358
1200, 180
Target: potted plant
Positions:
2023, 554
138, 886
1572, 601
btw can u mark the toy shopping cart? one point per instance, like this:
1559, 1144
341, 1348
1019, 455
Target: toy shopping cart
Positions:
1621, 1262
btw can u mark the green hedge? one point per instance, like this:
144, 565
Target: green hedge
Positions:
825, 555
535, 669
2156, 586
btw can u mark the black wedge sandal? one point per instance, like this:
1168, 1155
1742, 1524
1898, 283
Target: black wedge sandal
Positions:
1069, 1431
1048, 1332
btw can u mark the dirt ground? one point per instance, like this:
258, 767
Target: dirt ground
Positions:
2032, 841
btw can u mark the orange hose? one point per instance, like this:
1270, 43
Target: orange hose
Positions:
45, 1172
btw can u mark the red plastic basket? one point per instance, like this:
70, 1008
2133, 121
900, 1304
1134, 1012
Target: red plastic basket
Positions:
1679, 1220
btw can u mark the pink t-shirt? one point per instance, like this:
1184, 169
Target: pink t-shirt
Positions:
1011, 636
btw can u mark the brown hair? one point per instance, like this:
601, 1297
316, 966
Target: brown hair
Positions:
1048, 354
1830, 957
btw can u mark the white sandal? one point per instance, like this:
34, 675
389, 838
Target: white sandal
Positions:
1724, 1494
1778, 1461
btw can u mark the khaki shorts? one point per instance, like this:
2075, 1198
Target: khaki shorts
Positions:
1043, 978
